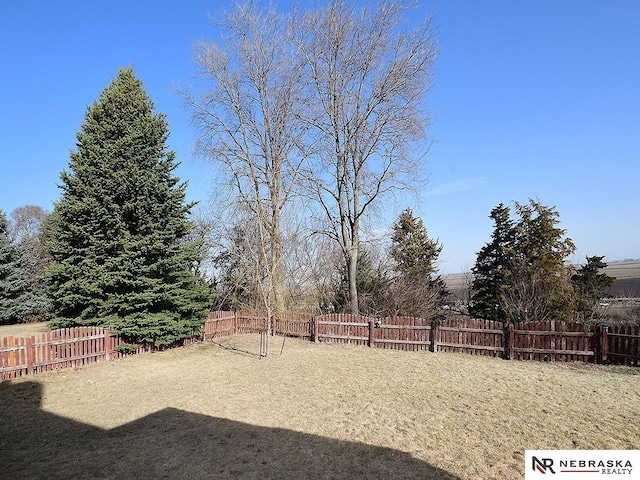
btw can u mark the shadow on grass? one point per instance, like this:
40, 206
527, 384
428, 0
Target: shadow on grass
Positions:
244, 351
174, 444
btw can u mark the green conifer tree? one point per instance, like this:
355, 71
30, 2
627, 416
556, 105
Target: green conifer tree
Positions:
117, 235
522, 274
539, 285
19, 302
491, 268
591, 285
412, 250
416, 289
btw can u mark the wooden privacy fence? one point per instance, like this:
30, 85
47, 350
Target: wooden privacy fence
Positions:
223, 324
69, 347
63, 348
537, 341
402, 333
556, 341
542, 341
622, 344
220, 324
398, 333
471, 336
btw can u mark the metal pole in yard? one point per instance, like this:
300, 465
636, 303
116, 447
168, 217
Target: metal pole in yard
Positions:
284, 339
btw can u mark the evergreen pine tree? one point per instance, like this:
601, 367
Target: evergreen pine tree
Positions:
590, 284
412, 250
491, 268
539, 284
117, 235
19, 302
416, 289
521, 274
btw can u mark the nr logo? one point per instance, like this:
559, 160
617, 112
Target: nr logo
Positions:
542, 465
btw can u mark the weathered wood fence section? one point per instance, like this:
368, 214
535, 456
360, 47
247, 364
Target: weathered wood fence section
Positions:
540, 341
622, 344
223, 324
298, 325
402, 333
65, 348
471, 336
397, 333
537, 341
220, 324
343, 328
556, 341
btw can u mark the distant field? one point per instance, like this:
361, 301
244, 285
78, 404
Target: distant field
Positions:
627, 283
457, 280
624, 271
316, 411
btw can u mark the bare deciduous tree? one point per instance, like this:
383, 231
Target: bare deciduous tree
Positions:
407, 298
367, 79
203, 232
249, 124
26, 222
312, 265
238, 271
524, 300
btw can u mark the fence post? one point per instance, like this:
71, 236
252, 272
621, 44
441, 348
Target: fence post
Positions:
509, 338
315, 329
604, 350
372, 332
107, 343
505, 342
434, 336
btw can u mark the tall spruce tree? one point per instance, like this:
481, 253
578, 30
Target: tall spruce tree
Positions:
19, 301
412, 250
117, 235
491, 268
416, 288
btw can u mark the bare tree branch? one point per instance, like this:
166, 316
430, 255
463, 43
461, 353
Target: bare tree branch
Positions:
248, 119
367, 81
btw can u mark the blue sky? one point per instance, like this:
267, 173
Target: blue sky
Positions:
537, 98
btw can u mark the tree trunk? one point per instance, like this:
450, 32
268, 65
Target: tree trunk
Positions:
353, 285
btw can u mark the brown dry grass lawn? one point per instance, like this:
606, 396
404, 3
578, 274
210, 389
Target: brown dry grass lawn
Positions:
316, 411
23, 329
